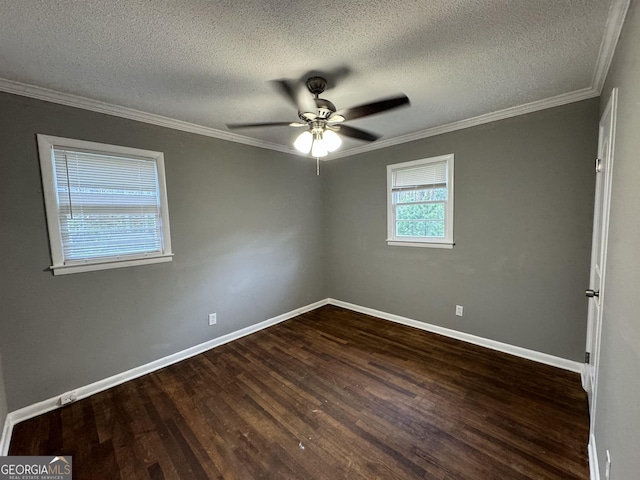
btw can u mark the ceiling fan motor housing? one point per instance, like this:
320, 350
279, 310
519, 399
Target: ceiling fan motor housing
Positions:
325, 109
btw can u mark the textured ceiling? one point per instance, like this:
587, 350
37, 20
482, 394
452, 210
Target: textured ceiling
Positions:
209, 62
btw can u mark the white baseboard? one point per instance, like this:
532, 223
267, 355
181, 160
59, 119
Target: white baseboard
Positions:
45, 406
50, 404
547, 359
594, 471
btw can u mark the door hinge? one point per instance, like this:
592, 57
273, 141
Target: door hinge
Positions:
598, 165
587, 357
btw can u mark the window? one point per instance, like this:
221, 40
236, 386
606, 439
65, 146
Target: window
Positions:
106, 205
420, 203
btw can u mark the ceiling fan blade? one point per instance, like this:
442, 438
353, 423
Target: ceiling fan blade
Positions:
352, 132
233, 126
373, 108
297, 93
335, 118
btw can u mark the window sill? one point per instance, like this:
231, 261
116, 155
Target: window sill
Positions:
400, 243
105, 265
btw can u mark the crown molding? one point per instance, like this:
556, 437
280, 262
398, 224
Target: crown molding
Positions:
613, 27
90, 104
551, 102
85, 103
612, 30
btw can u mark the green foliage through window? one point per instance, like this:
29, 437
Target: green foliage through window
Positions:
420, 213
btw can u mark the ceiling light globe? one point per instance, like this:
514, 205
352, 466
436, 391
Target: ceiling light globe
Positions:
303, 142
319, 148
331, 140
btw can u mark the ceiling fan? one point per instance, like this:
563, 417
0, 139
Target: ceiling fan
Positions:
321, 119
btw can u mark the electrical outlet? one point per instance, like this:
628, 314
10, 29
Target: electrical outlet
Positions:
68, 397
459, 310
607, 470
212, 319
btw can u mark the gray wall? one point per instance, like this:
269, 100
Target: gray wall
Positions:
523, 216
617, 419
3, 399
246, 234
257, 234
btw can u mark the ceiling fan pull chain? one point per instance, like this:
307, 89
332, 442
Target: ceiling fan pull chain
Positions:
317, 166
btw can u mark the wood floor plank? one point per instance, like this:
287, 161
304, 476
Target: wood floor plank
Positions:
329, 395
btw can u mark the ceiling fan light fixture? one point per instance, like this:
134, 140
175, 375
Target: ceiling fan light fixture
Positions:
304, 141
319, 148
331, 140
319, 118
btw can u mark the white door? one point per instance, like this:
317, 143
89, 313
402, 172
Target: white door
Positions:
596, 291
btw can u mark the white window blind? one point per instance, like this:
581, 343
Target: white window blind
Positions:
106, 205
424, 176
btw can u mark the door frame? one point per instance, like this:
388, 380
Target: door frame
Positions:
602, 202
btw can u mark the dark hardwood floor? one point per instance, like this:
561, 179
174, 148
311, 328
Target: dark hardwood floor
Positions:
331, 394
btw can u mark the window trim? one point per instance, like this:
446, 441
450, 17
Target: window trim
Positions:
46, 143
447, 242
